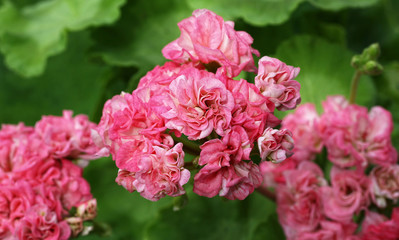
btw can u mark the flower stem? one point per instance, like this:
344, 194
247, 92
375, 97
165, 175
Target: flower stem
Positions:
265, 192
354, 85
188, 146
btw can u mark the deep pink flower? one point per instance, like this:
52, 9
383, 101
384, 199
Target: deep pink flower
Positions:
276, 80
384, 184
348, 194
206, 38
275, 145
387, 230
235, 181
252, 110
304, 126
156, 172
200, 103
41, 223
331, 231
354, 137
125, 118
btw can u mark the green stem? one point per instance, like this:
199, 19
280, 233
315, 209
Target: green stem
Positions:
354, 85
188, 146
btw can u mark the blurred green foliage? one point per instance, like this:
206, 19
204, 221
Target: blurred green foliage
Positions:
77, 54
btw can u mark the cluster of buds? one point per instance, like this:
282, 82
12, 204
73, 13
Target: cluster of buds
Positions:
193, 105
363, 180
41, 178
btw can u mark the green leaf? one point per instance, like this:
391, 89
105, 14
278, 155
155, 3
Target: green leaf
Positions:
28, 36
211, 218
139, 36
336, 5
269, 229
255, 12
71, 81
325, 69
269, 12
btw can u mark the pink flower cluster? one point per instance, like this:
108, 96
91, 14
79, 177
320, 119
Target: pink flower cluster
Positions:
221, 118
40, 180
357, 141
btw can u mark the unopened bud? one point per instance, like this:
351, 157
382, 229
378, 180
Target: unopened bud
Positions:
87, 210
372, 52
76, 225
373, 68
356, 62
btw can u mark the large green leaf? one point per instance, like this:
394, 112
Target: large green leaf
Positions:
143, 30
325, 69
269, 12
29, 35
214, 218
70, 81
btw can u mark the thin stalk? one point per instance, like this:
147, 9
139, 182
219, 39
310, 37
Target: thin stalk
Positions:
268, 194
354, 85
188, 146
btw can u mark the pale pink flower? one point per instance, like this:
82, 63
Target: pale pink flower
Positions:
75, 224
372, 218
275, 80
87, 210
348, 194
40, 222
206, 38
235, 181
384, 184
198, 102
158, 171
275, 145
252, 110
304, 126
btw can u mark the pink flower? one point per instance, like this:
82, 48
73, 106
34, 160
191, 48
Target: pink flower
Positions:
330, 231
347, 195
304, 126
67, 136
276, 80
125, 118
387, 230
41, 223
75, 224
252, 110
235, 181
354, 137
384, 184
75, 189
156, 172
87, 210
299, 202
275, 145
206, 38
273, 173
199, 102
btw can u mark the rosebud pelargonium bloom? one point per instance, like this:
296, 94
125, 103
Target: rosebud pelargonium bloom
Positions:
252, 110
299, 201
155, 171
207, 38
381, 228
224, 173
275, 80
384, 184
348, 194
304, 126
200, 103
354, 137
331, 231
275, 145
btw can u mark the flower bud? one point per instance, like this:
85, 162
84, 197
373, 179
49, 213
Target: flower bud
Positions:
372, 52
373, 68
76, 225
87, 210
